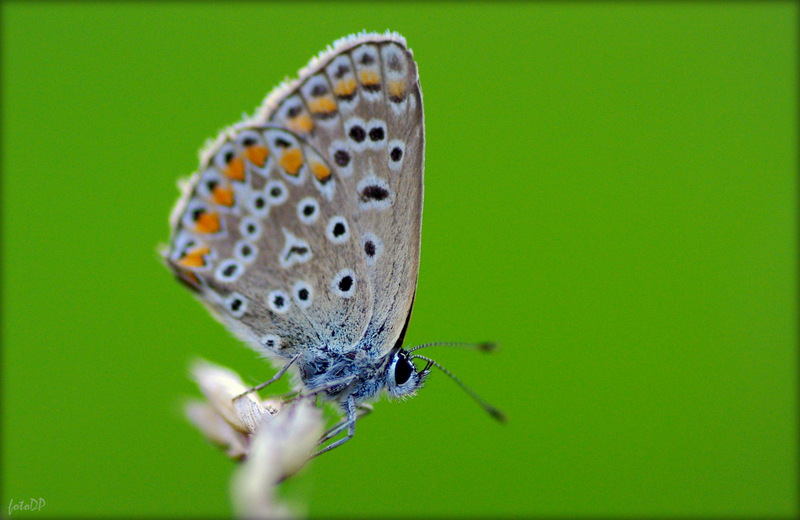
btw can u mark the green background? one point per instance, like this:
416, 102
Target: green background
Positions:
611, 193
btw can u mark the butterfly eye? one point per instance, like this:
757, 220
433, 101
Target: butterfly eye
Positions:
319, 90
368, 70
402, 371
366, 59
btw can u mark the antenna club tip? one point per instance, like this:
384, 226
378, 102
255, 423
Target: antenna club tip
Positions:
497, 415
488, 346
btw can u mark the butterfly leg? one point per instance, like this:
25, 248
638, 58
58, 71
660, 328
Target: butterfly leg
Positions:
363, 409
277, 376
349, 423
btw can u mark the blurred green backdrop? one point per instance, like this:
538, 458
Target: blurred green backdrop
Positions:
611, 193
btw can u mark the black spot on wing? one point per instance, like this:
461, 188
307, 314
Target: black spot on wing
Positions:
373, 192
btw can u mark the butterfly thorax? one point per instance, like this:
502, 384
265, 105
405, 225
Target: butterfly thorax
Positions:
361, 377
343, 375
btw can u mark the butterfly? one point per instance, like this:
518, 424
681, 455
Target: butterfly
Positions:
301, 229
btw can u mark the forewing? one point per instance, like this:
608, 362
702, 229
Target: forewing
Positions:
360, 105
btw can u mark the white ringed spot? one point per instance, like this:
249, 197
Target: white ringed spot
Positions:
373, 246
376, 134
257, 205
374, 193
229, 270
250, 228
295, 250
236, 304
344, 283
337, 230
342, 156
308, 210
396, 154
278, 301
276, 192
245, 251
356, 131
303, 294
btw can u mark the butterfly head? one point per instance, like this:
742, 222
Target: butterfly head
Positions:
402, 377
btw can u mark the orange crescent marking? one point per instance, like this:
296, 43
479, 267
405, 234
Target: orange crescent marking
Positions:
223, 195
257, 154
345, 87
194, 258
235, 169
207, 223
323, 105
396, 88
320, 171
292, 160
301, 123
368, 77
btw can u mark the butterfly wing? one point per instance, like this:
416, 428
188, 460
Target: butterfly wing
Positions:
301, 229
259, 235
360, 105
